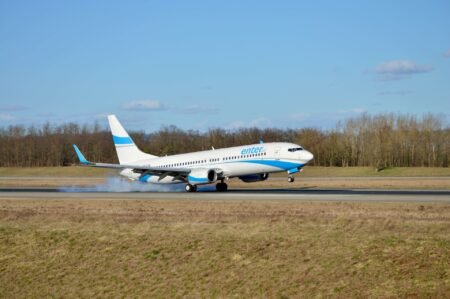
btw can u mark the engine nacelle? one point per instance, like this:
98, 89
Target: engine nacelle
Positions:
202, 176
254, 177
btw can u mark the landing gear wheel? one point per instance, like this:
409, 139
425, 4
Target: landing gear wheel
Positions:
291, 179
190, 188
221, 187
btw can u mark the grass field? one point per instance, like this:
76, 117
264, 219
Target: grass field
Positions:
70, 171
314, 171
222, 249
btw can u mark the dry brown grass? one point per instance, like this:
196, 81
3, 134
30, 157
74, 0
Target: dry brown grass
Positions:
206, 248
349, 183
43, 182
66, 171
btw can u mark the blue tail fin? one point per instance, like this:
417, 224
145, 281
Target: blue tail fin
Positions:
80, 156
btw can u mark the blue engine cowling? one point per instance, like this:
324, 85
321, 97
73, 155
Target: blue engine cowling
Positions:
202, 176
254, 177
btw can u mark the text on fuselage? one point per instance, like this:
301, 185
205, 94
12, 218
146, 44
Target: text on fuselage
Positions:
253, 150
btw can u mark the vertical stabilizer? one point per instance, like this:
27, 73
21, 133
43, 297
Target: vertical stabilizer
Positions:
127, 151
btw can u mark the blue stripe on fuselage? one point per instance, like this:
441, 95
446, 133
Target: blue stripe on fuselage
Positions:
276, 163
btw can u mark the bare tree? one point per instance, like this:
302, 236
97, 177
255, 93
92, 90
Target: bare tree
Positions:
382, 140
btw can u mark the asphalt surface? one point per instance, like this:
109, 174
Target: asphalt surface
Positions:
362, 195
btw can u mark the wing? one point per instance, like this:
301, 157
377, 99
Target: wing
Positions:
162, 172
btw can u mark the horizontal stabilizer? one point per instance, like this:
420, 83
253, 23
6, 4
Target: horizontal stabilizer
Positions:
81, 156
160, 171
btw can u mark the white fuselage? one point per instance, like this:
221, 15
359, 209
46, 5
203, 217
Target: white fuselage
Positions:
239, 161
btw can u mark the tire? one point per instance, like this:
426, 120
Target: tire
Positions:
221, 187
291, 179
190, 188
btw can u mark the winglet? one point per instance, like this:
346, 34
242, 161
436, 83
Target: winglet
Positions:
80, 156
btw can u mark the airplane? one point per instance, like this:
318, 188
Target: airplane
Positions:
250, 163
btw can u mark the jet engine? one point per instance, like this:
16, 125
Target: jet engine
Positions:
202, 176
254, 177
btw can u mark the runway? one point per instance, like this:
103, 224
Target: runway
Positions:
296, 194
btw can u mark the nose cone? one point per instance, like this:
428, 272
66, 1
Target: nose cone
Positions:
308, 156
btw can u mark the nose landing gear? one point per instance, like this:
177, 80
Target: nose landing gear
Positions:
291, 179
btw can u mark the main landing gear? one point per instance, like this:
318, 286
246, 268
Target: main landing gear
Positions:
190, 188
291, 179
221, 187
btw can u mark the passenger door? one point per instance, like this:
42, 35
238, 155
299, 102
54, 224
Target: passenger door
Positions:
277, 153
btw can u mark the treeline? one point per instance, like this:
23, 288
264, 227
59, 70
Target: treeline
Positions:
383, 140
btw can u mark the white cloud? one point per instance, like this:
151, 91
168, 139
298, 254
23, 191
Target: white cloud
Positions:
146, 105
399, 69
155, 105
261, 123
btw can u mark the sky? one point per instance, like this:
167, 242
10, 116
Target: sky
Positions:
221, 64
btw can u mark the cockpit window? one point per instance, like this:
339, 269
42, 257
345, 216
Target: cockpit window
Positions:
294, 149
